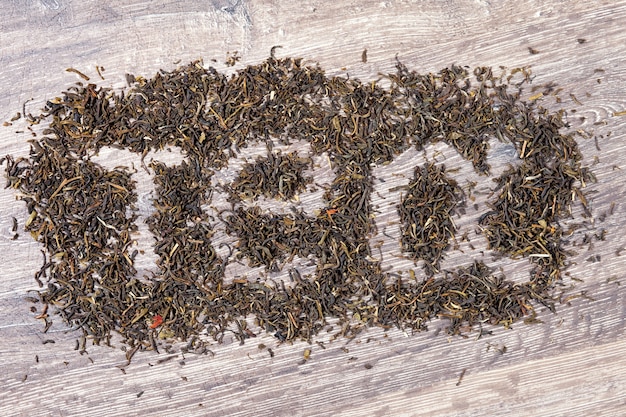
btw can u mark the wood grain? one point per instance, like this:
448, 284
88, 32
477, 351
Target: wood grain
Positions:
572, 364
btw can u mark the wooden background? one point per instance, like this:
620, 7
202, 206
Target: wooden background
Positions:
573, 364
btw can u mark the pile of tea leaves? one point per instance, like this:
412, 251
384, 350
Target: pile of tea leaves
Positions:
85, 215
